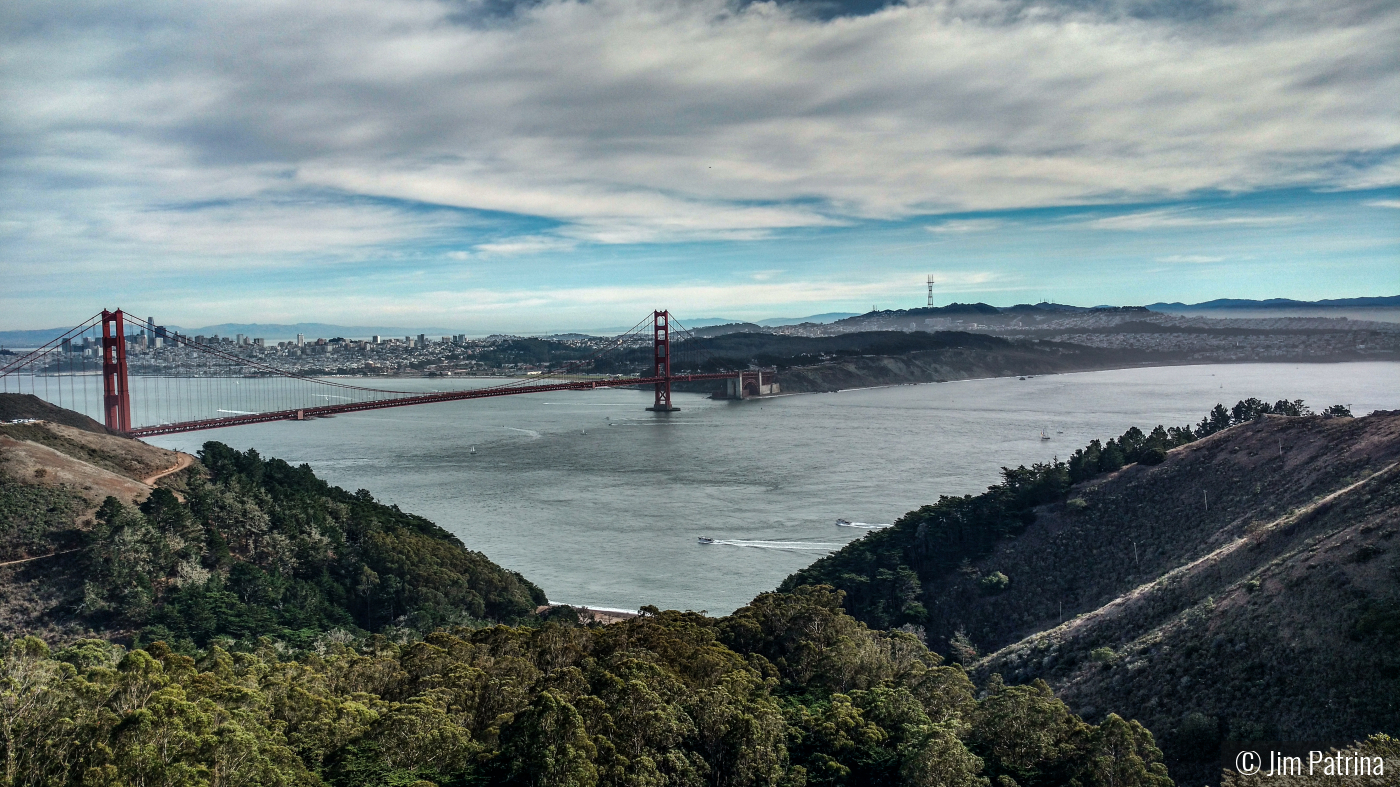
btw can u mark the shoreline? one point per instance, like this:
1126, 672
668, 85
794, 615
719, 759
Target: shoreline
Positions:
604, 615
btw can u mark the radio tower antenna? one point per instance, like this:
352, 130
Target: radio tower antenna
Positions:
930, 290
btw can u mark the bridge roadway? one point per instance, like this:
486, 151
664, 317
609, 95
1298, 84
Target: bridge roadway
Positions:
404, 401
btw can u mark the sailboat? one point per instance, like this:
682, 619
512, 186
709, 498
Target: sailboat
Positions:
473, 451
1044, 434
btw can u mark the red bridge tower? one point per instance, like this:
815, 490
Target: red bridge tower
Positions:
661, 361
116, 397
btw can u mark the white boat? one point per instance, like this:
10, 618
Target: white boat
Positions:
704, 540
1044, 435
473, 451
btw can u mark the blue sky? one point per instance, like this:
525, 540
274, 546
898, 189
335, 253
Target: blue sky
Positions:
564, 165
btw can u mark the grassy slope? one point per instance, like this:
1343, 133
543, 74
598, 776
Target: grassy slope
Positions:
1143, 522
1281, 624
1246, 586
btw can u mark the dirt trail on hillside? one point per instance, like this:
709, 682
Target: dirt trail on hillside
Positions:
39, 557
183, 461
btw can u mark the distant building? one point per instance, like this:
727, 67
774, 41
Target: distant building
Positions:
422, 340
376, 338
301, 339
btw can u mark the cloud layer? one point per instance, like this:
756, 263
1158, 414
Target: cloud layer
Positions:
269, 131
639, 119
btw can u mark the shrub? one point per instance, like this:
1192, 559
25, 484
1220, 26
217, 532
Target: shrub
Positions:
1105, 656
1076, 504
962, 649
1199, 735
994, 583
1152, 456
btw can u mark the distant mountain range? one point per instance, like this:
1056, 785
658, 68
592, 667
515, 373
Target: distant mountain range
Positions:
820, 319
282, 332
1222, 304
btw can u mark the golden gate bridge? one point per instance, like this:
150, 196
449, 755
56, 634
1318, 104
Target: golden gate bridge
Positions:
65, 371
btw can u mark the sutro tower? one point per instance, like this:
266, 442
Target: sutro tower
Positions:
930, 290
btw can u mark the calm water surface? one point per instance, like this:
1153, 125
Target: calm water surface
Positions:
600, 502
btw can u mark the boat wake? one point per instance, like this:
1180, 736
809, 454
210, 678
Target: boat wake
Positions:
804, 546
531, 432
861, 525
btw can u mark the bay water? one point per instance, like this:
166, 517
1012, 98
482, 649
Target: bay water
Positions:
601, 503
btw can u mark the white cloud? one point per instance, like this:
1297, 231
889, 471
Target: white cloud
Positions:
1191, 258
525, 244
959, 226
658, 120
1385, 203
1183, 218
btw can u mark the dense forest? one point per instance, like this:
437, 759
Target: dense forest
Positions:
263, 549
788, 691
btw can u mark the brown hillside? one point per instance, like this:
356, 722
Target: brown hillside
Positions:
119, 455
31, 463
15, 406
1261, 604
1142, 522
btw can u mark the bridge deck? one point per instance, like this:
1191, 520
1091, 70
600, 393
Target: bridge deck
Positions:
449, 396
